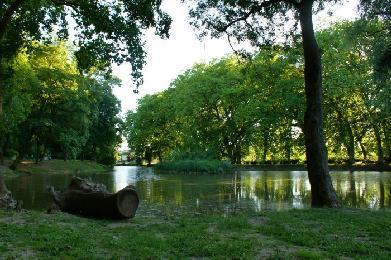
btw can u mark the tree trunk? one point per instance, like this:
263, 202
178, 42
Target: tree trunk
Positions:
16, 162
322, 191
288, 144
265, 145
387, 140
3, 188
1, 104
93, 200
380, 158
238, 154
1, 155
350, 143
363, 150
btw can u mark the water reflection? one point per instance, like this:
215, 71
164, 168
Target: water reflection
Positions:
252, 190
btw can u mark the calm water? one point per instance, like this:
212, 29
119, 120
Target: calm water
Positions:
247, 190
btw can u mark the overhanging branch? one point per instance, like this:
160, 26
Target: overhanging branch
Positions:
253, 10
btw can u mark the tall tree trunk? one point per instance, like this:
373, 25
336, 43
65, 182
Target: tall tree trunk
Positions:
231, 153
238, 154
288, 144
350, 143
380, 158
387, 145
36, 150
3, 188
265, 145
16, 162
1, 104
322, 191
1, 155
363, 149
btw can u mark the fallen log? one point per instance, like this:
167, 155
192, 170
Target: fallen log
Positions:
83, 197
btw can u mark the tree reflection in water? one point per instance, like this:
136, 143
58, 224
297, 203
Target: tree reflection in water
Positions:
251, 190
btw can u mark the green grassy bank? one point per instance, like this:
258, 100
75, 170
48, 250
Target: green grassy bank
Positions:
210, 166
58, 167
313, 233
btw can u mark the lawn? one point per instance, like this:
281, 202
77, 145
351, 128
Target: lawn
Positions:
62, 167
163, 233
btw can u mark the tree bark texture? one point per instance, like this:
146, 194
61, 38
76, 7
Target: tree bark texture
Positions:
322, 191
350, 143
380, 157
1, 155
387, 145
363, 150
85, 198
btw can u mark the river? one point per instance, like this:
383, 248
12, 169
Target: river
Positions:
244, 190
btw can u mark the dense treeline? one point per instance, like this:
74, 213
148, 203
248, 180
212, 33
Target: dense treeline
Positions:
50, 109
253, 110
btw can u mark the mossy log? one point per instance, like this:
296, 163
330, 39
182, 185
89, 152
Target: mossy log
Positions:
85, 198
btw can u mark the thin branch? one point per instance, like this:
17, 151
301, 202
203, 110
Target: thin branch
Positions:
65, 3
232, 47
255, 9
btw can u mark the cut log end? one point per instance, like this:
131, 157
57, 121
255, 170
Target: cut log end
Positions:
127, 202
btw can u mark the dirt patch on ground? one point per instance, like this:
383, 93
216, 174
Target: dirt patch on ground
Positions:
211, 229
287, 251
119, 225
13, 220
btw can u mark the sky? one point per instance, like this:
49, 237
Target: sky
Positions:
166, 59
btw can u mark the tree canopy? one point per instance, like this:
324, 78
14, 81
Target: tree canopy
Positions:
105, 31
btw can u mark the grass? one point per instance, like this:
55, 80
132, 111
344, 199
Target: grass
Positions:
161, 233
195, 165
7, 172
61, 167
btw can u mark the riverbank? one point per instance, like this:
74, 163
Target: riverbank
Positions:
302, 167
56, 167
161, 233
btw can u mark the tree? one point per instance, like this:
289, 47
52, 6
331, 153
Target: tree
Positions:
105, 129
16, 97
217, 118
357, 96
106, 31
248, 20
152, 132
276, 74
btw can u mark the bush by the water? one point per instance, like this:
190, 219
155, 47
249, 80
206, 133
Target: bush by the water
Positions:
196, 165
195, 161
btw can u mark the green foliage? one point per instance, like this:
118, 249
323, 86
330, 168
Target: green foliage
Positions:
153, 130
52, 110
63, 167
356, 101
195, 166
223, 107
106, 32
253, 110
